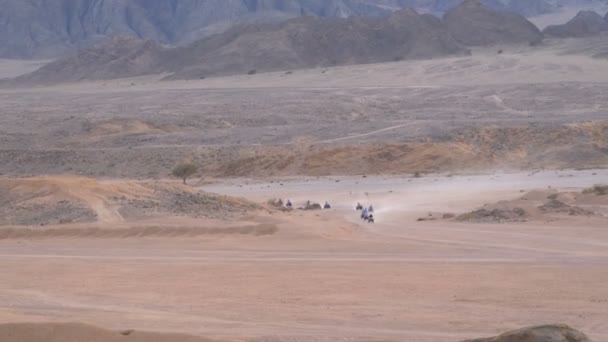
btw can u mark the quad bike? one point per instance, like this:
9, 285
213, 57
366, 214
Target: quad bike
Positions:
359, 207
327, 206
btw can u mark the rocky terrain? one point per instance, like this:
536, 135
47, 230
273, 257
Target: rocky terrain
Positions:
310, 42
474, 24
299, 43
39, 29
541, 206
277, 124
545, 333
585, 23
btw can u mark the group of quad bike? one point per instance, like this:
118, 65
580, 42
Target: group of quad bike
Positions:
308, 204
367, 214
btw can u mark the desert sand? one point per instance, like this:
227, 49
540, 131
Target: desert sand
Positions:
326, 275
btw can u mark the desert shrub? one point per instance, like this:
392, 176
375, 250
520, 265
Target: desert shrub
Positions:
275, 202
252, 72
184, 171
598, 189
313, 206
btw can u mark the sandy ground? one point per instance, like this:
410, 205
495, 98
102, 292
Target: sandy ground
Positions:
325, 276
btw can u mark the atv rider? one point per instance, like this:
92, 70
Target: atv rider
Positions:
364, 214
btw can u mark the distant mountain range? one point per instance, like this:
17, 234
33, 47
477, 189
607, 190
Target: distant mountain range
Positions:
299, 43
51, 28
585, 23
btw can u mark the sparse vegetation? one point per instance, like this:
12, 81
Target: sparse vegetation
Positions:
184, 171
417, 174
500, 52
313, 206
278, 203
598, 189
252, 72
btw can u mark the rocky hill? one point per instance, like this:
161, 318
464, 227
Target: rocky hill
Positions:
120, 56
585, 23
42, 29
313, 42
298, 43
474, 24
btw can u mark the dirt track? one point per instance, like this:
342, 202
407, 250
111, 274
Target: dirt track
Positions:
321, 278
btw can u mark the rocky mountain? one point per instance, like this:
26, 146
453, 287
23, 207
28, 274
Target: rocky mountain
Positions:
474, 24
297, 43
117, 57
45, 28
585, 23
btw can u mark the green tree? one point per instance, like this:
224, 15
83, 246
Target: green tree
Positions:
184, 171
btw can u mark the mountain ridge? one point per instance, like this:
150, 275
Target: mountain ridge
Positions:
49, 29
300, 43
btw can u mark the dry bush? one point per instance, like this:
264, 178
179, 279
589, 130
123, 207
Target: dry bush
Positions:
598, 189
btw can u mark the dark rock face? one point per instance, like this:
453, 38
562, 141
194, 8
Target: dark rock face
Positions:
585, 23
117, 57
41, 28
474, 24
298, 43
545, 333
44, 28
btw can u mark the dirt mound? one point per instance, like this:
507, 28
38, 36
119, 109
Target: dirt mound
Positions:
73, 332
473, 24
540, 205
498, 215
598, 189
544, 333
64, 199
558, 207
178, 200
